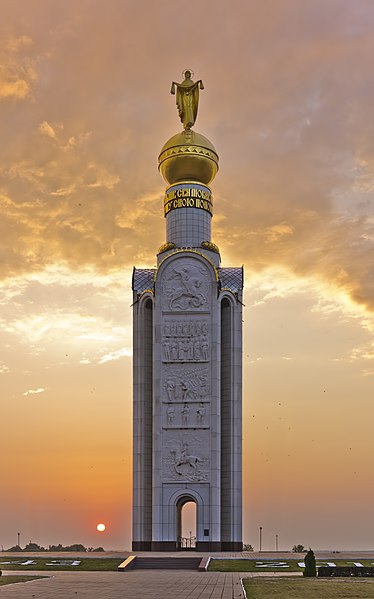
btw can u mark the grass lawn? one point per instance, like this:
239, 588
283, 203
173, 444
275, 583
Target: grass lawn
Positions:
61, 563
249, 565
301, 588
254, 565
12, 579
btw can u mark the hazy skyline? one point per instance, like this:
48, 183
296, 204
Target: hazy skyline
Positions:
85, 109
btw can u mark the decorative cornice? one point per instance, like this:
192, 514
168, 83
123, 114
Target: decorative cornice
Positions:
188, 150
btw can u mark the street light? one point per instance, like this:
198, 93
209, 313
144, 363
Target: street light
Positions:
260, 539
19, 539
276, 542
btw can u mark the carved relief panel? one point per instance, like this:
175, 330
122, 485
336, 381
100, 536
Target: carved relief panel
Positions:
186, 415
186, 456
185, 286
185, 340
185, 383
185, 386
185, 396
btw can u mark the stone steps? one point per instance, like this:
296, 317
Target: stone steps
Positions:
165, 563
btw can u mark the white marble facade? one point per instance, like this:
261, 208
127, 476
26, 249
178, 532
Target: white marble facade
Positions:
187, 395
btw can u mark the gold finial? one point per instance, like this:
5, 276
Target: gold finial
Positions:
187, 98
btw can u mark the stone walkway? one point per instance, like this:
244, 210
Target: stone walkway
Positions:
142, 584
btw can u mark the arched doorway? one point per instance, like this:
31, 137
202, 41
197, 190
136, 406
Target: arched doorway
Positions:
186, 523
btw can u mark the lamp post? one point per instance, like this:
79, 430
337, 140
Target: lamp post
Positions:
276, 542
19, 539
260, 539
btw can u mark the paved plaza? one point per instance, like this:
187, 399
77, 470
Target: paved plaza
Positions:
145, 584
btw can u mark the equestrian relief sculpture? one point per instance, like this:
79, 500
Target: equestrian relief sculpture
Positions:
186, 287
179, 463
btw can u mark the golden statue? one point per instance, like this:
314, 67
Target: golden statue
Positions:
187, 99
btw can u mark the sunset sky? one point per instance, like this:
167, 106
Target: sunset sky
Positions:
85, 109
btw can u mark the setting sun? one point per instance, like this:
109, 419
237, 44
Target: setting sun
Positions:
101, 527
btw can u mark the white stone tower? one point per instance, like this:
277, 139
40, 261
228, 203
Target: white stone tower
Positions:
187, 318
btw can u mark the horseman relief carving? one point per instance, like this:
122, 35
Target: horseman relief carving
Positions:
186, 287
184, 460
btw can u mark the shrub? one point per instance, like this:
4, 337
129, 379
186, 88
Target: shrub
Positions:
310, 564
33, 547
298, 549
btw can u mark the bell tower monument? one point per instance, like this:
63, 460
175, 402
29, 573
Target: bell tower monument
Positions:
187, 340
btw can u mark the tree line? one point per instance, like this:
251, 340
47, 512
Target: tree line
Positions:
76, 547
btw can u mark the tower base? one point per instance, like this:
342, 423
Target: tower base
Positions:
171, 546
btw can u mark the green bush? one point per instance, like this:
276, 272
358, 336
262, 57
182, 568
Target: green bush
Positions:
310, 564
298, 549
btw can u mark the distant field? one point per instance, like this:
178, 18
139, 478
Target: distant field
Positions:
60, 563
268, 565
13, 579
301, 588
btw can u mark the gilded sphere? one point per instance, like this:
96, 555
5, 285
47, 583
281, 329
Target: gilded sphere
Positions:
188, 156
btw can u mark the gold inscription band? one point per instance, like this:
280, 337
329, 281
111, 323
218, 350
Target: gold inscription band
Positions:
188, 196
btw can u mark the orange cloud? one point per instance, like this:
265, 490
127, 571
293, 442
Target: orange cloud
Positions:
18, 73
293, 131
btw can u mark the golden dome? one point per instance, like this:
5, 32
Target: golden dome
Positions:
188, 156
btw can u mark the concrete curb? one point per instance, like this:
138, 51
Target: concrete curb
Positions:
126, 564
